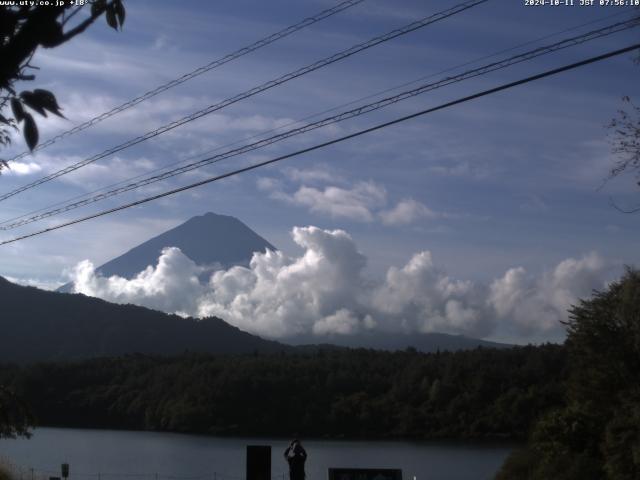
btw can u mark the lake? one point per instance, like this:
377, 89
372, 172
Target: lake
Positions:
124, 455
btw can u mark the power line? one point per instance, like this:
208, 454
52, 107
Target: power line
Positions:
254, 91
318, 114
194, 73
364, 109
315, 115
380, 126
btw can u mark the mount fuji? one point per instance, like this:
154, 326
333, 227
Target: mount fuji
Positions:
212, 241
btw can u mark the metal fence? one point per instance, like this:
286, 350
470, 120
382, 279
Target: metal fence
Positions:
21, 472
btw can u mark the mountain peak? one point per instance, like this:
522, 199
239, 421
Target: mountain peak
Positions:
209, 240
210, 217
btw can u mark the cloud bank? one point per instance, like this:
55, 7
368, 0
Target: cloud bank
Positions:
325, 291
364, 201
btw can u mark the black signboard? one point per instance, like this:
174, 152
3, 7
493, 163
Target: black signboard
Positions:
365, 474
258, 462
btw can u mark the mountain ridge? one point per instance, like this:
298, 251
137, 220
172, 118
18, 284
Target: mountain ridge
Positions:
394, 341
77, 326
39, 325
210, 240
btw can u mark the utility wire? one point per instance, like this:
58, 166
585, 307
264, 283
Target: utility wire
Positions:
318, 114
364, 109
254, 91
359, 133
198, 71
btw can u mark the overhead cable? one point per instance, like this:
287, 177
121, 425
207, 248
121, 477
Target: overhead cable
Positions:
359, 133
254, 91
194, 73
361, 110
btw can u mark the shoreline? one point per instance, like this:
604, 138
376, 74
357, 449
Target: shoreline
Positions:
472, 441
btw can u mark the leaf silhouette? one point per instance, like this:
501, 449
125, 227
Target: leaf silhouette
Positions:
111, 17
30, 131
120, 12
32, 101
17, 109
48, 101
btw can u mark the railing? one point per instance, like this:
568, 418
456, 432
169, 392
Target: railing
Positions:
21, 472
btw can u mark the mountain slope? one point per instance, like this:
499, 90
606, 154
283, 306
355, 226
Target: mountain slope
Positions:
36, 325
210, 240
206, 239
423, 342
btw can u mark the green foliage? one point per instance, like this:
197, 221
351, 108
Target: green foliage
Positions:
25, 28
596, 434
621, 446
482, 393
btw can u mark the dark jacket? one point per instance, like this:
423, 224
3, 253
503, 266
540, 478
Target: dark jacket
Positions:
296, 455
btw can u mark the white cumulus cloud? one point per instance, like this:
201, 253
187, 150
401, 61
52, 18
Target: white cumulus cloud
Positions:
364, 201
538, 303
357, 203
171, 286
309, 175
22, 168
325, 291
405, 212
421, 297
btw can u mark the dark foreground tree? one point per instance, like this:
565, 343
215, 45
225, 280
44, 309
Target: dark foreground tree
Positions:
25, 28
625, 140
15, 417
596, 435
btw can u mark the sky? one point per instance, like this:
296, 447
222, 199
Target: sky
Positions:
488, 219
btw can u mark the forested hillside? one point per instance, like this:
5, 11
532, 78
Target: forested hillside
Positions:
340, 393
36, 325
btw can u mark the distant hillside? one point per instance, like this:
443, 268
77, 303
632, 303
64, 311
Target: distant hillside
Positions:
423, 342
210, 240
221, 241
36, 325
332, 393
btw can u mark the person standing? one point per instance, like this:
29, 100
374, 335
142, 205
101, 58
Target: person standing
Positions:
296, 455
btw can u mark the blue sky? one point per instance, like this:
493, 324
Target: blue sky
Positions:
511, 180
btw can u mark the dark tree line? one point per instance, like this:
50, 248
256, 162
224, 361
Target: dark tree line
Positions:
578, 404
482, 393
15, 416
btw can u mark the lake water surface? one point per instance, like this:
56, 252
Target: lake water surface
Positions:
122, 455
